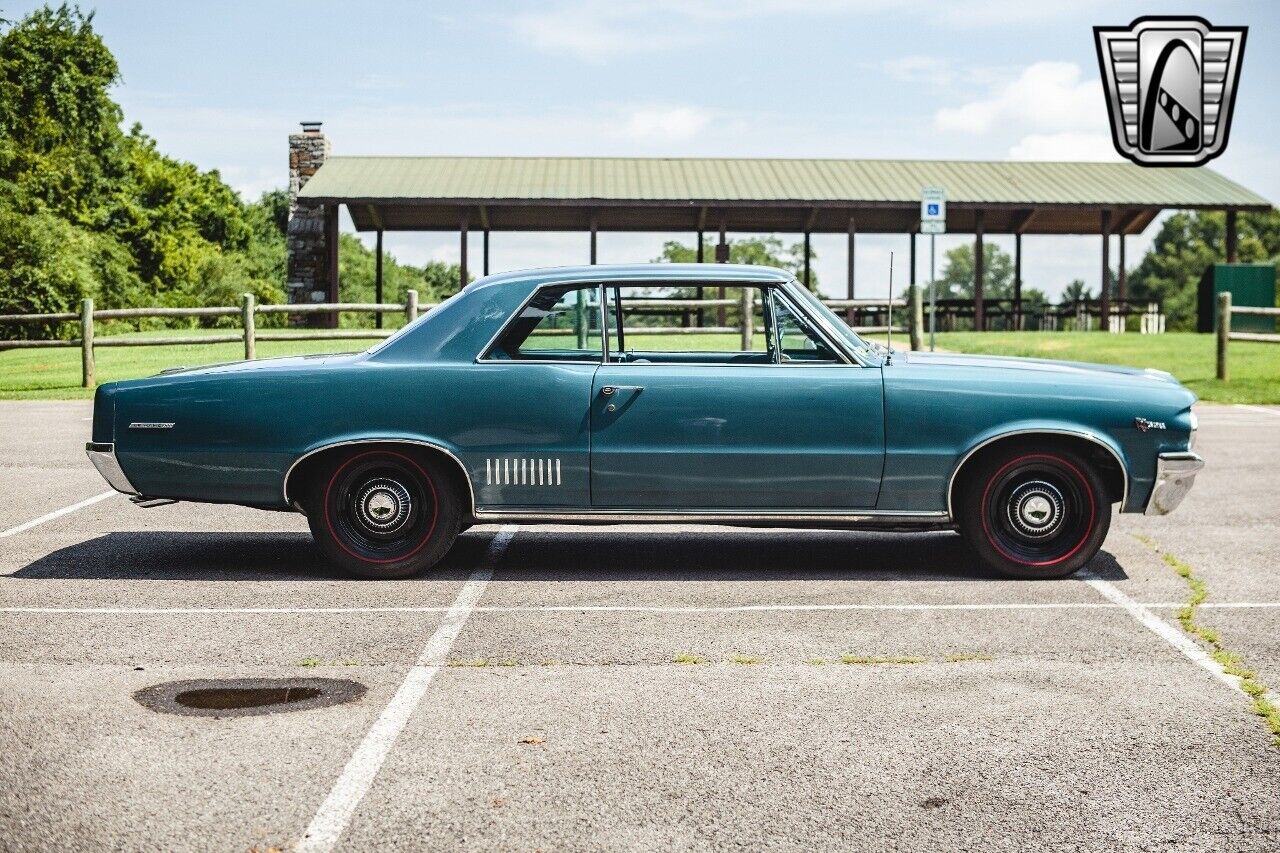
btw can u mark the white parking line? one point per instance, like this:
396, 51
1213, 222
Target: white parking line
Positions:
57, 513
621, 608
335, 812
1162, 629
1272, 412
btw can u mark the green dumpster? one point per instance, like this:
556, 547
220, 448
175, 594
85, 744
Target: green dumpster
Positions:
1251, 285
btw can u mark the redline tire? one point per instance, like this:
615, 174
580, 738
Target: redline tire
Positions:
1034, 514
382, 513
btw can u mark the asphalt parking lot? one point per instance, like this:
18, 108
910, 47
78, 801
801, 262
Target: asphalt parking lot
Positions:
528, 694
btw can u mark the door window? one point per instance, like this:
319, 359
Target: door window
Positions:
687, 324
558, 324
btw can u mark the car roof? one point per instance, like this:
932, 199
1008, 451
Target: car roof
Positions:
632, 272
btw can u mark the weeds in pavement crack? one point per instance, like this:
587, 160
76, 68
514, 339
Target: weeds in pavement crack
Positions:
1230, 662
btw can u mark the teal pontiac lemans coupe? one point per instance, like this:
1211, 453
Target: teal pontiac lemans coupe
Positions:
570, 396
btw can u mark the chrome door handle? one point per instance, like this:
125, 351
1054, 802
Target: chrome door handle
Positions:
610, 390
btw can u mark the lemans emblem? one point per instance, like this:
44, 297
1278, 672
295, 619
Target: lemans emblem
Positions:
1145, 425
1171, 86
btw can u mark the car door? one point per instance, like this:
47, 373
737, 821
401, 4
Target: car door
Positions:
795, 427
524, 428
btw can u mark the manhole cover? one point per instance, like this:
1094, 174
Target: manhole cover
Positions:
247, 697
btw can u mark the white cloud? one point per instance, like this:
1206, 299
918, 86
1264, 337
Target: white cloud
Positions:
666, 125
1047, 96
1064, 146
595, 32
916, 69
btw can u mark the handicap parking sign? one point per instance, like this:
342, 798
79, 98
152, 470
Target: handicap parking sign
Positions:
933, 210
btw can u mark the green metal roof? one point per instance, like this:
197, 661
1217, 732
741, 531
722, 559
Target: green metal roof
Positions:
371, 186
682, 179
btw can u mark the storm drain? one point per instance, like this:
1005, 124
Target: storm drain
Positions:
247, 697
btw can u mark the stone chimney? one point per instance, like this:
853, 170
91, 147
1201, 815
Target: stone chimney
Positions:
311, 229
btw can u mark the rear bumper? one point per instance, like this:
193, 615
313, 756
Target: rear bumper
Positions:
103, 457
1175, 475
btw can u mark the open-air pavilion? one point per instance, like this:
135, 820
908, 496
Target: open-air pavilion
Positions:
725, 195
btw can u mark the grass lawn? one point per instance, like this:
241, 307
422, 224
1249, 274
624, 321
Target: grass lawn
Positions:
1255, 367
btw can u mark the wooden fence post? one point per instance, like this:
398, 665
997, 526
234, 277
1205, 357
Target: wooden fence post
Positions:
1224, 333
411, 305
748, 309
250, 333
916, 318
86, 344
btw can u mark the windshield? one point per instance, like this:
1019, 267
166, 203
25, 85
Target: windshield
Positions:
835, 325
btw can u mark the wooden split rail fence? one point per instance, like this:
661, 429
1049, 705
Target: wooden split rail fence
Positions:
1225, 312
249, 335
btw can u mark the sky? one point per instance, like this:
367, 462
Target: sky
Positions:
223, 84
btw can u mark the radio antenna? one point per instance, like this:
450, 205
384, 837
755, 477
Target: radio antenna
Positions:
888, 332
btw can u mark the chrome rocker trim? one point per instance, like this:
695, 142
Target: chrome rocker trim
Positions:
1175, 475
103, 457
836, 519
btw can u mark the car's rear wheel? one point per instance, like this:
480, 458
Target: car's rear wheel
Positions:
383, 513
1034, 514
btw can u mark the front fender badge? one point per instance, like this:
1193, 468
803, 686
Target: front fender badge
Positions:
1145, 425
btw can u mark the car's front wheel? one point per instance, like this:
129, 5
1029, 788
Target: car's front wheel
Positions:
383, 513
1034, 514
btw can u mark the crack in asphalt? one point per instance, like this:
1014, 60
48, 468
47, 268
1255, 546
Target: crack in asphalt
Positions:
1262, 700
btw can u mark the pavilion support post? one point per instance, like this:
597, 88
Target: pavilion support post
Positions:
593, 240
850, 314
700, 260
462, 254
979, 275
1232, 237
1105, 302
484, 261
377, 281
331, 271
1122, 275
1017, 282
722, 257
808, 281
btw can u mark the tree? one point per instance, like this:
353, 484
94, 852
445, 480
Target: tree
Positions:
357, 278
1187, 243
1076, 292
758, 251
957, 279
60, 138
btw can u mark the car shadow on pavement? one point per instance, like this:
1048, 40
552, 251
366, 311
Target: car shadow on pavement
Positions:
179, 555
547, 554
737, 554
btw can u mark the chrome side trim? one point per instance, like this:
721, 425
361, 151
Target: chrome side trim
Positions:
103, 457
1124, 469
466, 475
1175, 475
630, 516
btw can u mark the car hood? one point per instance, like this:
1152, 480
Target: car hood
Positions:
1040, 365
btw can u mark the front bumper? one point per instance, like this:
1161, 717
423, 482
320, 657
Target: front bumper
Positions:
1175, 475
103, 457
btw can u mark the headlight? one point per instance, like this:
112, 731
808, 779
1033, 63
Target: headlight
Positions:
1195, 425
